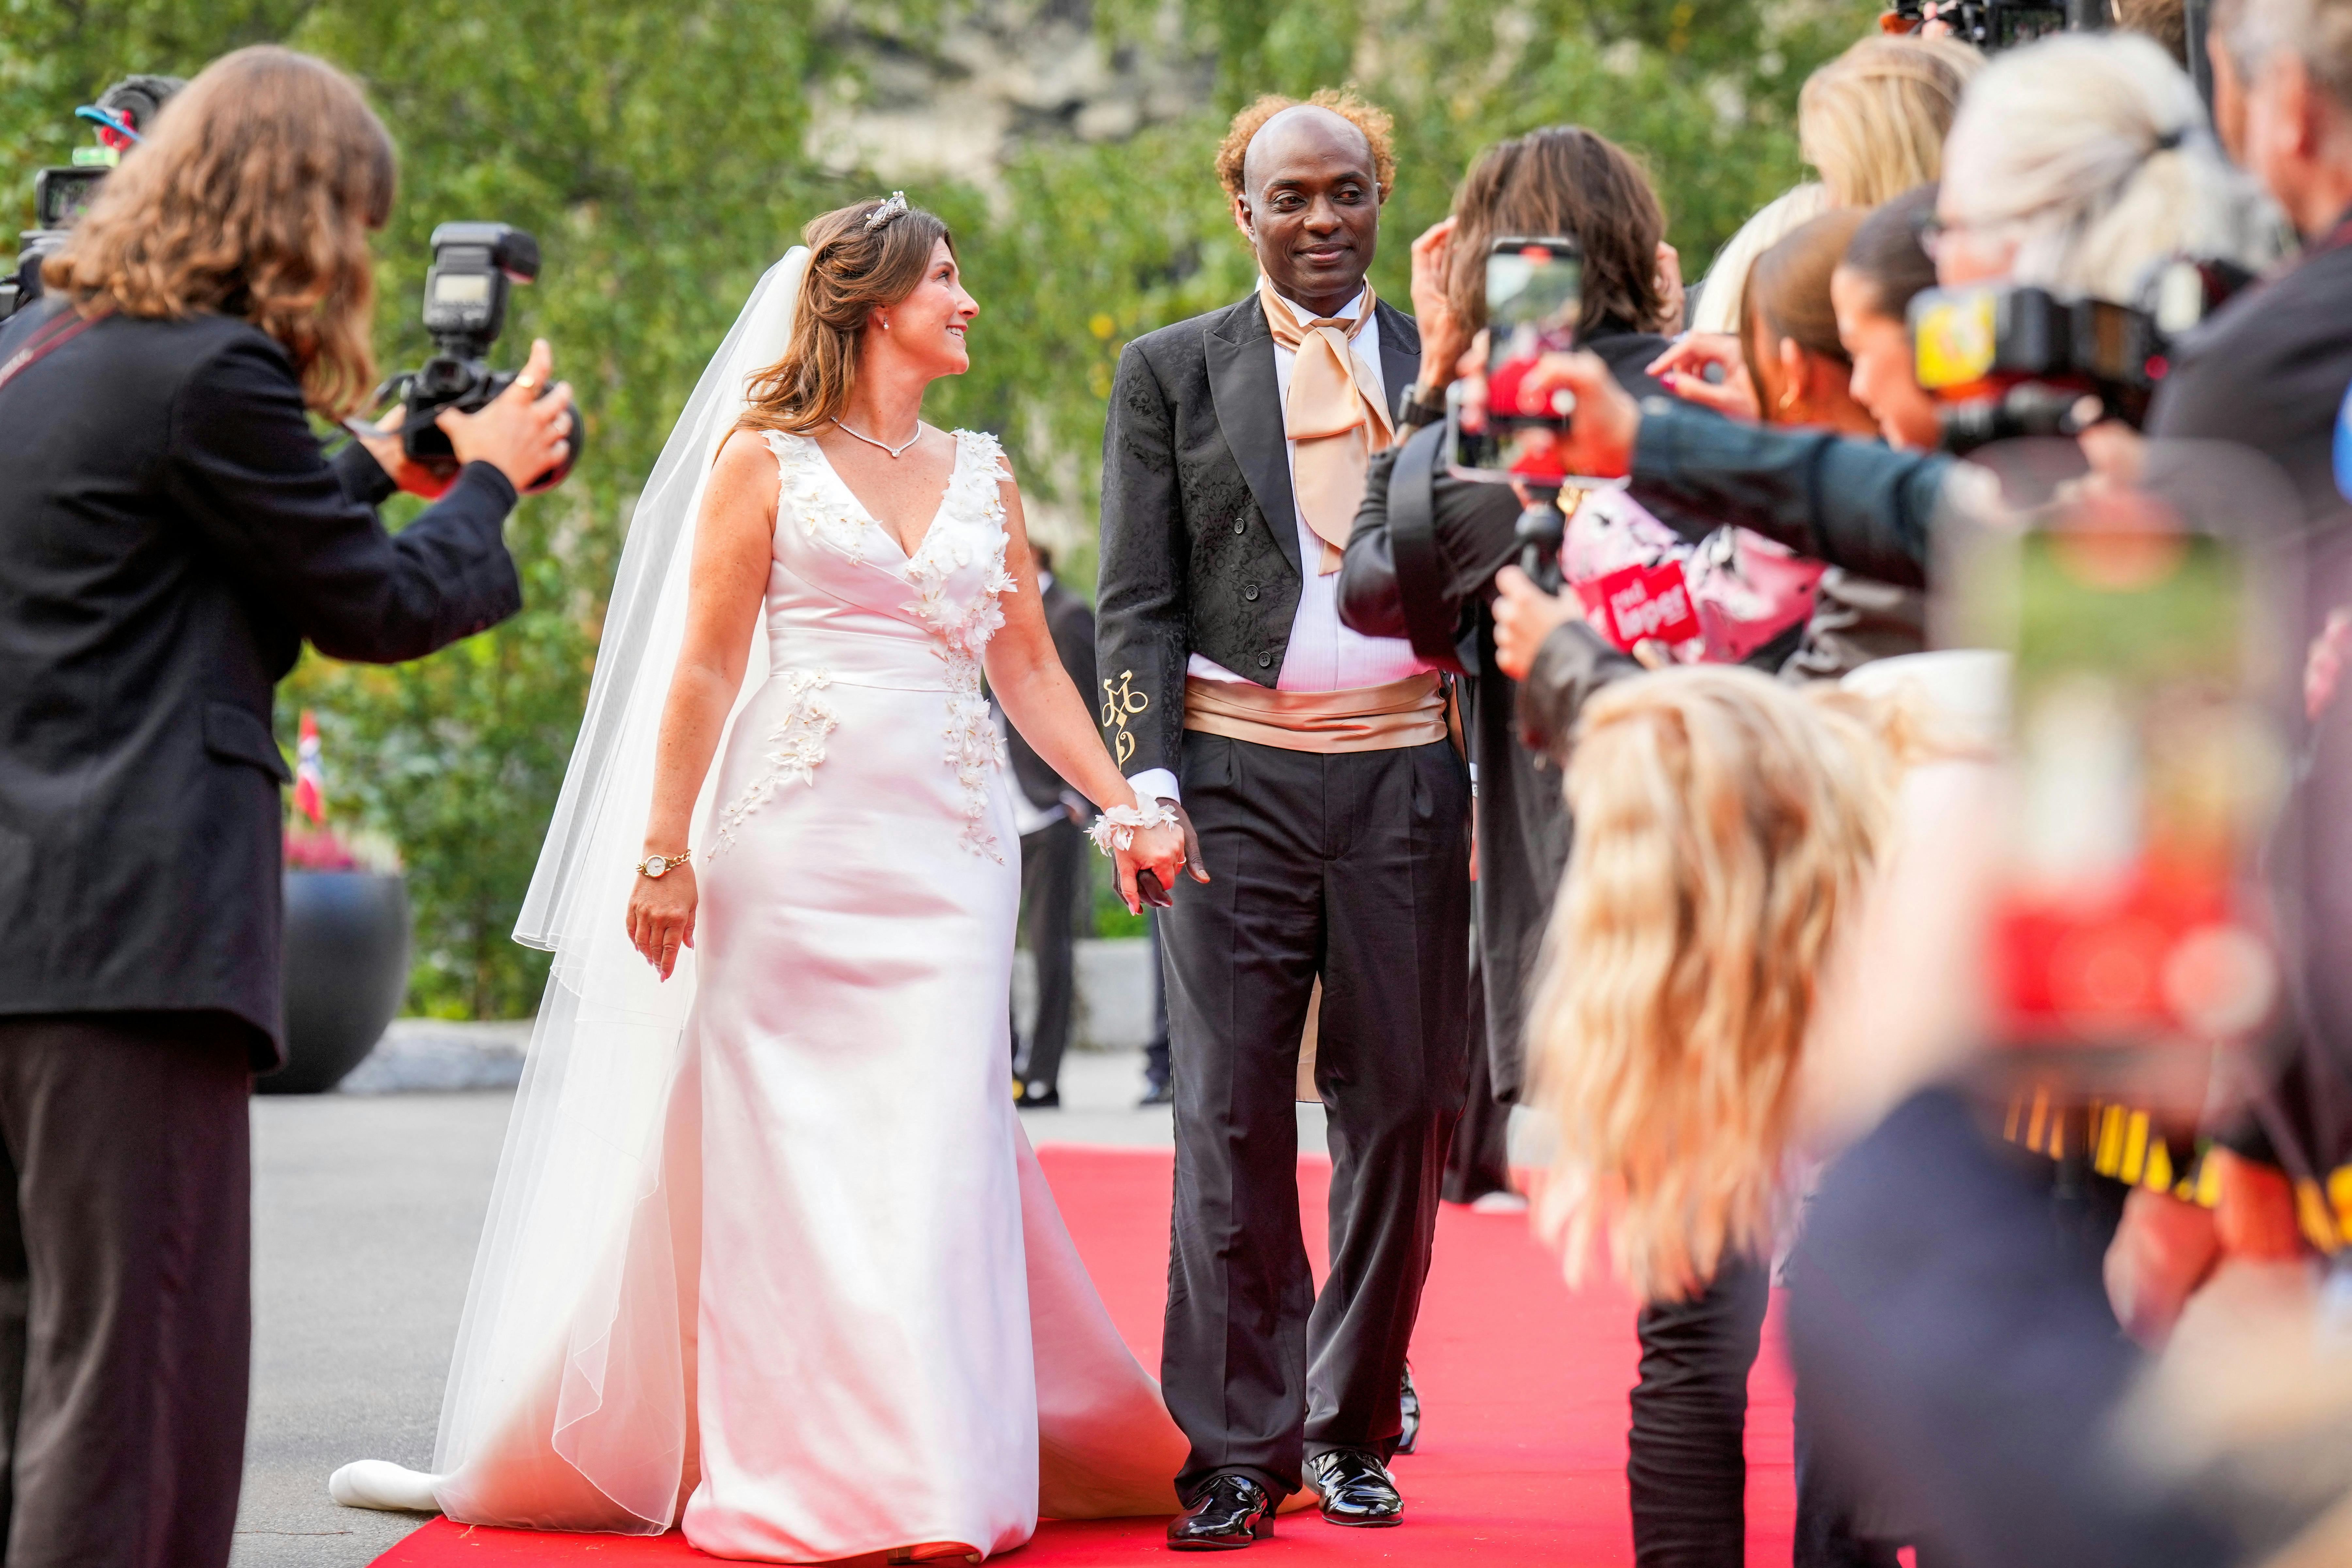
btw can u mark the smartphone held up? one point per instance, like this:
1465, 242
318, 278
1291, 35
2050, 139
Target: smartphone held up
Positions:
1496, 433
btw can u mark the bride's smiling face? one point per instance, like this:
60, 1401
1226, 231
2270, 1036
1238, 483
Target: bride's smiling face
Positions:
927, 325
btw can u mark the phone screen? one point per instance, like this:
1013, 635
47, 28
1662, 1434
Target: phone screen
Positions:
1534, 290
2146, 769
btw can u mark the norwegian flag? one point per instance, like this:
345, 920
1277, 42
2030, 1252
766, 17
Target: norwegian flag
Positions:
309, 778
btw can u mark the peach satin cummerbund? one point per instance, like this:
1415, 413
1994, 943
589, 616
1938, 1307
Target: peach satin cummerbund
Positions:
1407, 712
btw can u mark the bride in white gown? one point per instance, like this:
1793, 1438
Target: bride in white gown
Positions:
781, 1268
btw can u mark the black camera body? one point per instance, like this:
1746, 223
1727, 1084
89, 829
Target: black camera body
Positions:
1992, 24
61, 194
474, 269
2017, 361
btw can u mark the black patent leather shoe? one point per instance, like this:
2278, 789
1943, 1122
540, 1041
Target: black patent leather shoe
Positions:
1231, 1512
1409, 1412
1356, 1489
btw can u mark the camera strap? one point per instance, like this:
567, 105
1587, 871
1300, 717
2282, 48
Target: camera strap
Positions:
1412, 538
60, 331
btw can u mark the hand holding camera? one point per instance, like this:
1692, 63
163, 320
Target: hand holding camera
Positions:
523, 433
452, 404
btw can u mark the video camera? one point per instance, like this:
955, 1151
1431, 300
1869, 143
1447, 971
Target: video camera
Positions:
475, 268
1992, 24
60, 196
2009, 361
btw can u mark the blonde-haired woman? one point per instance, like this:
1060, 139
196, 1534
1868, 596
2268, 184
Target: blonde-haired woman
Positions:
2079, 162
171, 534
770, 1258
1726, 822
1873, 122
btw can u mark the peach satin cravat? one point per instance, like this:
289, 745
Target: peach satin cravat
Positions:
1336, 419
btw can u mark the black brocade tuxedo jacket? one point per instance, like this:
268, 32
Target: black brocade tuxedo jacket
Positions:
1200, 531
171, 534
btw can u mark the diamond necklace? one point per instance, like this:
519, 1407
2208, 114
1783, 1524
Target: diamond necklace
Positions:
896, 451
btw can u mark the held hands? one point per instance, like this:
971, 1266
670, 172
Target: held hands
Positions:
1162, 853
520, 433
1524, 617
661, 916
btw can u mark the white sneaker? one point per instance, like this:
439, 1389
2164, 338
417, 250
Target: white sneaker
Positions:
379, 1483
1500, 1203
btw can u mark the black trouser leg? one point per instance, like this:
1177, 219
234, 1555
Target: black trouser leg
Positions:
1479, 1161
1155, 1050
1391, 1062
1686, 1465
1336, 864
128, 1141
1053, 869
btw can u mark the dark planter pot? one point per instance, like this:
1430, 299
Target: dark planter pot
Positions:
346, 970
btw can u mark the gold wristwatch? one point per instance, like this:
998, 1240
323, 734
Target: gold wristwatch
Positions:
654, 864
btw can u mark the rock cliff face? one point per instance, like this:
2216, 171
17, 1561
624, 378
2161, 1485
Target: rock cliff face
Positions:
955, 98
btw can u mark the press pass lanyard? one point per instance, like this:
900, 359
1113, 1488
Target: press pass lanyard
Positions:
45, 343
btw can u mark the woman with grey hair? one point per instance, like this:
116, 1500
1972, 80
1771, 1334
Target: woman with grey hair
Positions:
2080, 164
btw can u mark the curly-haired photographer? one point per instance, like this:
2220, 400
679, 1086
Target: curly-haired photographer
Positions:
171, 534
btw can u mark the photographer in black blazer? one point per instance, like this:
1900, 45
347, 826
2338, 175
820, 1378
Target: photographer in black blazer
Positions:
171, 532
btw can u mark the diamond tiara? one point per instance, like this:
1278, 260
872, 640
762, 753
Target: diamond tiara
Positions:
889, 209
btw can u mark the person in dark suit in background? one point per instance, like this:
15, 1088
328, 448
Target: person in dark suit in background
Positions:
1053, 858
171, 534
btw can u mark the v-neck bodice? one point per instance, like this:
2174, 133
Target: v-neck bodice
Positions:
955, 470
839, 574
846, 606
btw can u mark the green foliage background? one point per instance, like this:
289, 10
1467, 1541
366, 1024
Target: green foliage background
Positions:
662, 155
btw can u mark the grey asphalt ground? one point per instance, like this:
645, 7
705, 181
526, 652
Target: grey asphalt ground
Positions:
366, 1211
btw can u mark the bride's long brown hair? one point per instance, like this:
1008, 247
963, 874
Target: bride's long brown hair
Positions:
853, 269
253, 197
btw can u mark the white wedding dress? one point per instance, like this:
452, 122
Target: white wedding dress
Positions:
789, 1277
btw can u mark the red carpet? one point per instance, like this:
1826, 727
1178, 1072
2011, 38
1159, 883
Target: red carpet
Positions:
1525, 1383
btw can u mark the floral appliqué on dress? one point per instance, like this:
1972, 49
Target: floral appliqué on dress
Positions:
975, 749
796, 745
967, 529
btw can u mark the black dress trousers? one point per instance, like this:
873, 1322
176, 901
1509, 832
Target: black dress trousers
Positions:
1354, 865
1053, 878
1685, 1462
125, 1304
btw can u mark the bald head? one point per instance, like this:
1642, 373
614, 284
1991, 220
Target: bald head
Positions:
1309, 129
1310, 204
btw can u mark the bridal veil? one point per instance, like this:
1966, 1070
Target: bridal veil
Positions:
578, 1206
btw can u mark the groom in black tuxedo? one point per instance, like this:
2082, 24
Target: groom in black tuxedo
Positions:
1327, 828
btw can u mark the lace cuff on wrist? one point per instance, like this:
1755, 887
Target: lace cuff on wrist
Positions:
1115, 828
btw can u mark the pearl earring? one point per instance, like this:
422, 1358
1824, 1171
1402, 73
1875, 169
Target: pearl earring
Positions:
885, 324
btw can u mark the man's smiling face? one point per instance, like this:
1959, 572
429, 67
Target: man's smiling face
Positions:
1311, 206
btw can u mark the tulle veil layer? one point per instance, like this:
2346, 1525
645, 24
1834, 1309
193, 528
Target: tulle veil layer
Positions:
580, 1207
